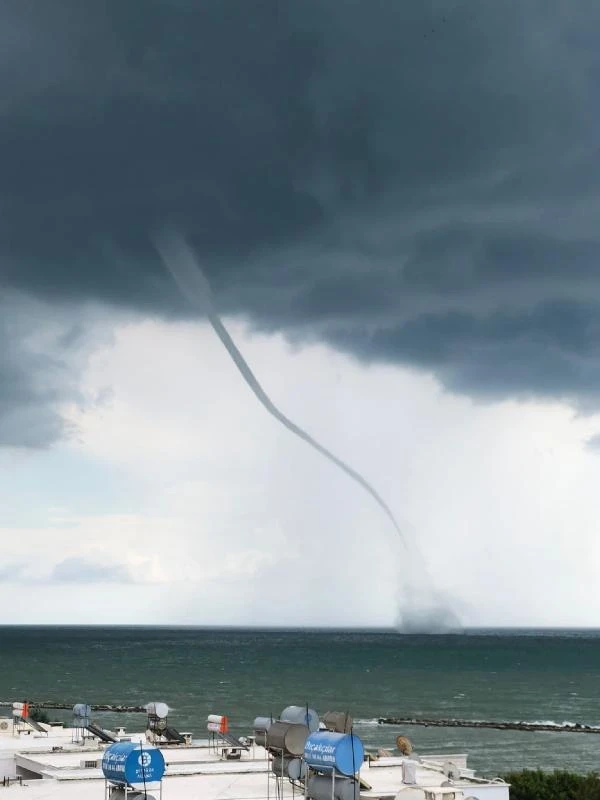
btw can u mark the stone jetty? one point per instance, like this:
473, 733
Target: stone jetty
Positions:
566, 727
52, 704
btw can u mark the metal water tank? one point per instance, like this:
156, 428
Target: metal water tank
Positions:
82, 710
130, 763
261, 726
292, 768
338, 721
409, 772
287, 737
301, 715
324, 787
325, 751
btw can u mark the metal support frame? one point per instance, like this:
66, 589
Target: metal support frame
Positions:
80, 725
126, 788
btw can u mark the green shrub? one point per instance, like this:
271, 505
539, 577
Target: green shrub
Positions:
557, 785
37, 715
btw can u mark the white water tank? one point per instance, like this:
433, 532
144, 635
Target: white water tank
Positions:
324, 787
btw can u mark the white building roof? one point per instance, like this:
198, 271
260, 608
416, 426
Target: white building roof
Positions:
197, 772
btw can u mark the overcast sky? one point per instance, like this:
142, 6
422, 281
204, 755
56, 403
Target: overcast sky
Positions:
398, 208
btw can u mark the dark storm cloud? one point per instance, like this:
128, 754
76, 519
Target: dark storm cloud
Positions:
412, 182
29, 415
42, 350
33, 383
551, 350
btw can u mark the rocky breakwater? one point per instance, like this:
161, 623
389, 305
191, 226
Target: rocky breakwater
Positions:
54, 705
551, 727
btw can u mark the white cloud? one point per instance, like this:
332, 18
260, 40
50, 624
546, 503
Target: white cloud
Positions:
239, 522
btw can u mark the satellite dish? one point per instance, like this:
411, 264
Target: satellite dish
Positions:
160, 710
301, 715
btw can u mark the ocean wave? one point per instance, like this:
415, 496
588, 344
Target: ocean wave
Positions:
374, 721
553, 723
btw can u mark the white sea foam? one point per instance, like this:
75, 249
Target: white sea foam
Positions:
553, 723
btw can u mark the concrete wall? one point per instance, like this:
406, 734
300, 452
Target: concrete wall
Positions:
7, 766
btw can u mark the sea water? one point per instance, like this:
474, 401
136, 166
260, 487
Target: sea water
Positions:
480, 675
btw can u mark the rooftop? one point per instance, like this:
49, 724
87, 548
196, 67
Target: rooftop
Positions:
53, 766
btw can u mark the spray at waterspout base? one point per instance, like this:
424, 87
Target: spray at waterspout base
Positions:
426, 614
421, 608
